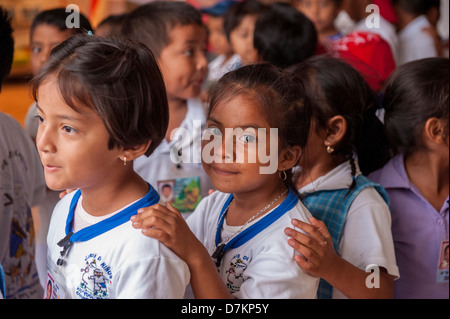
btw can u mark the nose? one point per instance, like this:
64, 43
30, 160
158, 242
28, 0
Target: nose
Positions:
202, 62
45, 140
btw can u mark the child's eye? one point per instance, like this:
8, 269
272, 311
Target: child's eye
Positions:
214, 131
36, 49
39, 118
246, 138
189, 52
68, 129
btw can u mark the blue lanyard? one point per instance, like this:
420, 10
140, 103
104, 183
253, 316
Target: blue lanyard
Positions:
250, 232
87, 233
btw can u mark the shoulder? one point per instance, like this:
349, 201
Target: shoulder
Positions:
205, 216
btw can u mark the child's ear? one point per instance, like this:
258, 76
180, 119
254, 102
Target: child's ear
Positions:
136, 151
289, 157
435, 130
336, 129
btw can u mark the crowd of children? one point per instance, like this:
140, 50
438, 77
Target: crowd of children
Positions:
243, 150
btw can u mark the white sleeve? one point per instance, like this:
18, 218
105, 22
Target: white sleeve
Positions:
367, 236
275, 274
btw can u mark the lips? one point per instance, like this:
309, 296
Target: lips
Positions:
223, 172
51, 168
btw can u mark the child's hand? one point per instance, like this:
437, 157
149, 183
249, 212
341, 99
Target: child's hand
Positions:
166, 224
316, 247
67, 191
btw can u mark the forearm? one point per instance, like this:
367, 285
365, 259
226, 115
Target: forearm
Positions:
206, 282
352, 282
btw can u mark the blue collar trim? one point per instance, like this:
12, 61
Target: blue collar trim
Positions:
250, 232
85, 234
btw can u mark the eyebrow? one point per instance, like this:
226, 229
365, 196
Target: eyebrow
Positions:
62, 117
244, 126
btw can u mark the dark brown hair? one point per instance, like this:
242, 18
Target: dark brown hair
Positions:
151, 23
416, 92
336, 88
117, 78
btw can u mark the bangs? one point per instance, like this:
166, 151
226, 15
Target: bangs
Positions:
71, 90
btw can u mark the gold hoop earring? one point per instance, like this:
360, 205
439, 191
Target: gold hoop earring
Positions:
330, 149
124, 161
283, 176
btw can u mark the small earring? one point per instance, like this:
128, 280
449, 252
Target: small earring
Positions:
330, 149
283, 176
124, 161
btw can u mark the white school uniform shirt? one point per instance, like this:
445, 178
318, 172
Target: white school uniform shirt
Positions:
366, 236
121, 263
22, 186
264, 266
159, 166
414, 43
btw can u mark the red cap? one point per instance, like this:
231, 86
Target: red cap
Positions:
368, 53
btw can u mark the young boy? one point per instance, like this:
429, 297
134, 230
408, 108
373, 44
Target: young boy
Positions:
176, 35
239, 25
414, 42
22, 187
48, 29
322, 13
226, 59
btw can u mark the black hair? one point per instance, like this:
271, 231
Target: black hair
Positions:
237, 12
284, 36
151, 23
119, 79
336, 88
7, 45
57, 18
415, 92
280, 97
416, 7
114, 24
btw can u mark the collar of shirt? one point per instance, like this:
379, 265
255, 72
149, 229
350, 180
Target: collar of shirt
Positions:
338, 178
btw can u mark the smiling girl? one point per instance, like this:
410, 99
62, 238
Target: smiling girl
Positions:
233, 242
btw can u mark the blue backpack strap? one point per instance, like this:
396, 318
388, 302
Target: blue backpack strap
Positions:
2, 282
332, 207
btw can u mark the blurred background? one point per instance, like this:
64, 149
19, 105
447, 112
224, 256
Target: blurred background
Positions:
15, 97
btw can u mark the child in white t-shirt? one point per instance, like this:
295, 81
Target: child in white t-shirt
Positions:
175, 33
101, 104
240, 226
350, 235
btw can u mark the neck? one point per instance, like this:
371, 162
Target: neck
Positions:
429, 173
113, 195
313, 169
177, 111
246, 204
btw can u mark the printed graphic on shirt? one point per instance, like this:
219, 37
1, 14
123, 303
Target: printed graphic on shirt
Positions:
96, 276
235, 273
18, 262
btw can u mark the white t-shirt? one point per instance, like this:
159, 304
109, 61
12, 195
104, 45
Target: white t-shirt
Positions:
366, 235
22, 186
219, 67
414, 43
119, 263
161, 165
263, 267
